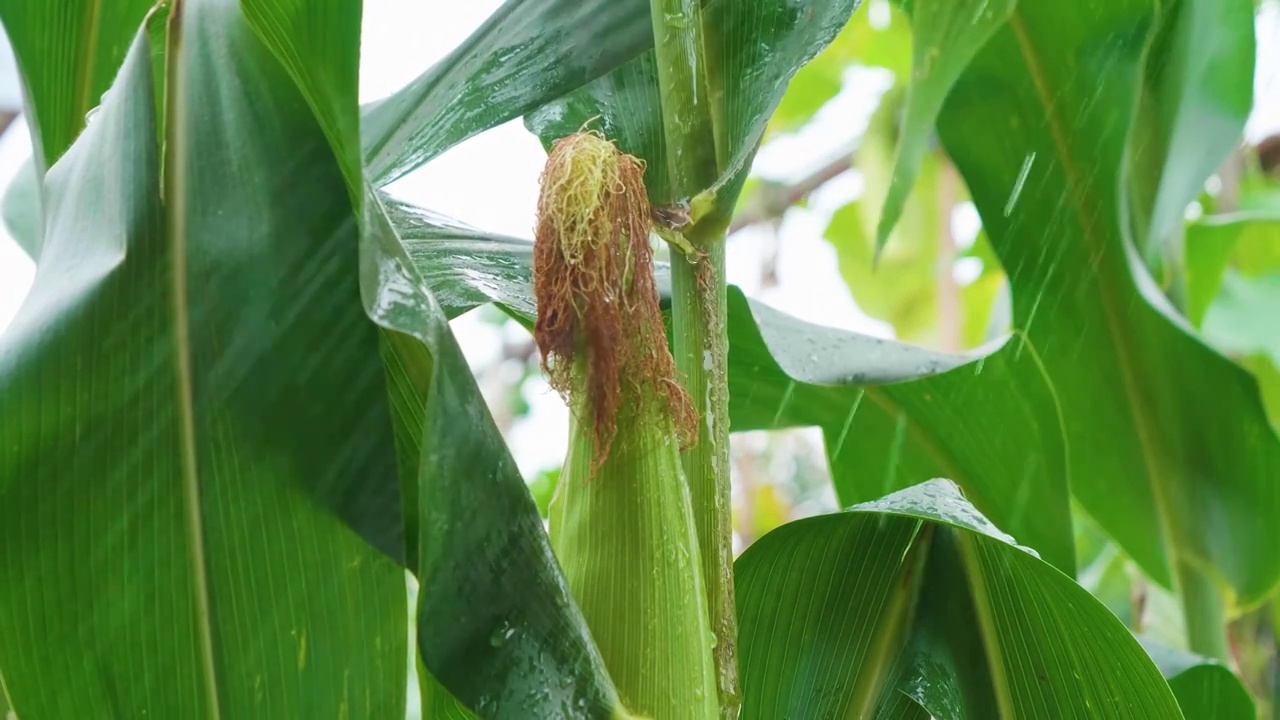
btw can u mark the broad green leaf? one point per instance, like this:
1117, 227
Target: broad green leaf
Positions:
1171, 451
68, 53
755, 49
945, 35
172, 437
318, 42
995, 632
824, 608
1206, 690
1197, 90
893, 415
527, 53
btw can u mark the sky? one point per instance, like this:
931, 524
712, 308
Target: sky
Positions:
491, 181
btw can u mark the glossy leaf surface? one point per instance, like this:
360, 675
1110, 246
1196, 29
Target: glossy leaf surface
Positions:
753, 50
170, 432
527, 53
1171, 451
993, 631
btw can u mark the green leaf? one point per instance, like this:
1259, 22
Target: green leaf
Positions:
527, 53
995, 631
756, 48
1206, 690
945, 36
170, 435
1197, 91
1172, 453
318, 43
893, 414
824, 608
68, 53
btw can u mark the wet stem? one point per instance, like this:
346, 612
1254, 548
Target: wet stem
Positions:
699, 313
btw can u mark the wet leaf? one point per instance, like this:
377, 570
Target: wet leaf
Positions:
527, 53
756, 48
1172, 453
975, 626
147, 483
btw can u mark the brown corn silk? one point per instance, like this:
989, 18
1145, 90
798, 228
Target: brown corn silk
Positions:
598, 311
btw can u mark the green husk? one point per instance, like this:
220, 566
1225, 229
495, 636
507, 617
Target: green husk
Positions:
621, 518
625, 538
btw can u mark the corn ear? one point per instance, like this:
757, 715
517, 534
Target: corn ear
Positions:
621, 520
625, 538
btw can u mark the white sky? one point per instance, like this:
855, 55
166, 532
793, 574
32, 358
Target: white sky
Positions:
491, 182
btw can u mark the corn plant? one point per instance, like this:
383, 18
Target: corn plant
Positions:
233, 416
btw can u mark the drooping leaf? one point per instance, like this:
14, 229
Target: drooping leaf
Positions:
496, 622
995, 632
527, 53
945, 35
755, 48
174, 447
893, 415
1171, 450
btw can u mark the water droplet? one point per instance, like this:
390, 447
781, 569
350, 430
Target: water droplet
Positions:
1027, 162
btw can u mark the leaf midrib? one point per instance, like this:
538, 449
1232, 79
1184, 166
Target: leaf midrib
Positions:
175, 228
1119, 339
